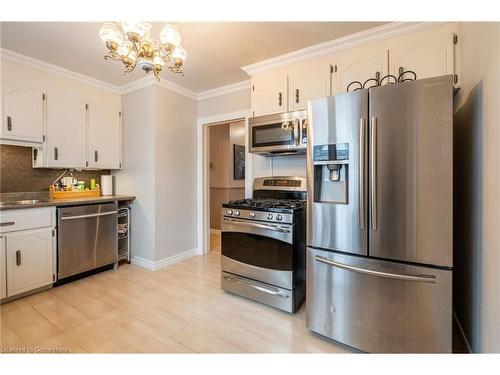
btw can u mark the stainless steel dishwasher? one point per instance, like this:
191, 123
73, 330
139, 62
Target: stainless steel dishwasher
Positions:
87, 238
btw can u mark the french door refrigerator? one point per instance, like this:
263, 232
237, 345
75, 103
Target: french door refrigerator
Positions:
379, 230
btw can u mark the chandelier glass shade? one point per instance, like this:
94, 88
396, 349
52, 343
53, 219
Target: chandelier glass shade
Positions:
131, 43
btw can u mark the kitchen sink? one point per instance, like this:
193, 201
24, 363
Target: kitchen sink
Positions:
22, 202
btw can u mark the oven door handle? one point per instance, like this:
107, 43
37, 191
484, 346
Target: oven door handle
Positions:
260, 226
257, 287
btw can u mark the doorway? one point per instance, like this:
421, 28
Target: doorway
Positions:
226, 172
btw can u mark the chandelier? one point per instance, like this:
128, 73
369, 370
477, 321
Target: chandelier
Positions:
131, 43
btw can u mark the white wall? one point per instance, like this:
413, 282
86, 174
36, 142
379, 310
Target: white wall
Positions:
159, 168
477, 187
175, 186
260, 165
233, 102
137, 176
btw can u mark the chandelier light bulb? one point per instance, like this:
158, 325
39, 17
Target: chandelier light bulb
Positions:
170, 37
179, 55
136, 30
111, 35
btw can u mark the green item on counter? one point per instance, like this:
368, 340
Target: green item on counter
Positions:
92, 184
81, 185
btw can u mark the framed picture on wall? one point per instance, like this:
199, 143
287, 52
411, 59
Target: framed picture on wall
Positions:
239, 162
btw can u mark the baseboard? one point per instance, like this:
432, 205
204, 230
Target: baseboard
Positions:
154, 266
215, 232
462, 332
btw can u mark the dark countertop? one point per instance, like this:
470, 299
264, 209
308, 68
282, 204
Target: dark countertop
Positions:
44, 201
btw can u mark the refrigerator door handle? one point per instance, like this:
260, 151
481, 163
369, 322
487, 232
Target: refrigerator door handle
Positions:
373, 173
419, 278
361, 174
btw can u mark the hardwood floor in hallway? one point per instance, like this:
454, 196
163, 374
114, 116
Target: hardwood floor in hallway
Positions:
178, 309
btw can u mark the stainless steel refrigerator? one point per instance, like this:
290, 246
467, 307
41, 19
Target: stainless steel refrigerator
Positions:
379, 231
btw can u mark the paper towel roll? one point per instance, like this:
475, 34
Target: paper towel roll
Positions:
106, 185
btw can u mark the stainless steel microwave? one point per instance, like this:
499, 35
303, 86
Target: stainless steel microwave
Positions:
278, 134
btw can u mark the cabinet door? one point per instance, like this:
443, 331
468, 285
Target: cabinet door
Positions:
22, 118
270, 94
428, 58
357, 66
66, 134
29, 260
3, 269
104, 138
308, 83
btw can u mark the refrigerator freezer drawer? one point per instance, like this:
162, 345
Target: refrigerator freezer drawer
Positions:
379, 306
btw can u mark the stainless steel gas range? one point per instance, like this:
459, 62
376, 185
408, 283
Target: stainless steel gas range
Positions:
264, 245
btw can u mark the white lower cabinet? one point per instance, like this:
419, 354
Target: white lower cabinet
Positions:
29, 260
27, 255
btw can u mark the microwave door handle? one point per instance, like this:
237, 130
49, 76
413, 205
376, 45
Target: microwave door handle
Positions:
296, 131
303, 132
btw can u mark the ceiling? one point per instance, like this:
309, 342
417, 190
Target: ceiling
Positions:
216, 50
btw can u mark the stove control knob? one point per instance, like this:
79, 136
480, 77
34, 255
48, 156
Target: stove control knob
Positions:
236, 213
252, 214
229, 212
279, 217
269, 216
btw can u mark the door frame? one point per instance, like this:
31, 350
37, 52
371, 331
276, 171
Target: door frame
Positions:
203, 188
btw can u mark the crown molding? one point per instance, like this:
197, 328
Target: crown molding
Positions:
224, 90
54, 69
170, 86
349, 41
150, 80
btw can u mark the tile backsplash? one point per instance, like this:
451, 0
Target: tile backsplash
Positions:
17, 175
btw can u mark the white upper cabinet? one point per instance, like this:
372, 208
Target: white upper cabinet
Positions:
29, 258
104, 138
269, 93
66, 132
427, 58
359, 65
308, 82
22, 115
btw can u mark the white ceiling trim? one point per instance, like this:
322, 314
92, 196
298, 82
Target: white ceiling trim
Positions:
349, 41
54, 69
224, 90
138, 84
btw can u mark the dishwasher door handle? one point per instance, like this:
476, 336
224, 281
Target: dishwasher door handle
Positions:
89, 215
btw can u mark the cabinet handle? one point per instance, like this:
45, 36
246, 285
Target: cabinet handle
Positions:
297, 96
280, 99
18, 257
401, 70
56, 153
7, 223
96, 156
9, 123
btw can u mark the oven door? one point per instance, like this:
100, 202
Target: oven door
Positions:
258, 250
275, 135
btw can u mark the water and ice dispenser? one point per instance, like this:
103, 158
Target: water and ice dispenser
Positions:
331, 173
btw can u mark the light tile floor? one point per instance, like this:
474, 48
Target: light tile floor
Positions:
178, 309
